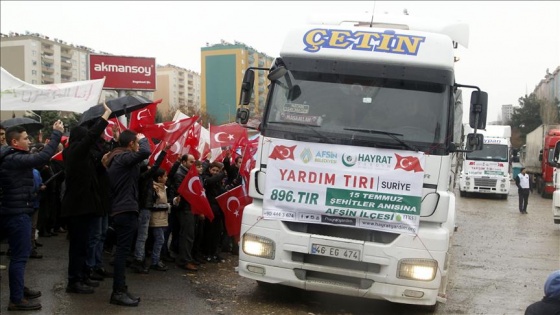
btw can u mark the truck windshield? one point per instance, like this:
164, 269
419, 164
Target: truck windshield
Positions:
338, 105
490, 152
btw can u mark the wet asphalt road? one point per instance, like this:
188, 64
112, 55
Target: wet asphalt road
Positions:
499, 262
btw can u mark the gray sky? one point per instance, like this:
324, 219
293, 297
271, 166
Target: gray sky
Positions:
511, 43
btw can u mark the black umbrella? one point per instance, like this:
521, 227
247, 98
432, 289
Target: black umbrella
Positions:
119, 106
31, 126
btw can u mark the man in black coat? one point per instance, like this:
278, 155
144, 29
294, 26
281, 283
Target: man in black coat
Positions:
85, 199
16, 207
550, 303
123, 166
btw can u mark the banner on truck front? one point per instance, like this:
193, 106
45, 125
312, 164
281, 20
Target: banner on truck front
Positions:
369, 188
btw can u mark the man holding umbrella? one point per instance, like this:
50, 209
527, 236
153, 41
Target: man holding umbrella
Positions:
16, 180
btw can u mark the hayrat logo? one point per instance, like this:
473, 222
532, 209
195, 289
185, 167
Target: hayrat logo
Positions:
408, 163
103, 67
282, 152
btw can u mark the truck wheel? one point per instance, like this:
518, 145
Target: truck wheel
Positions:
504, 196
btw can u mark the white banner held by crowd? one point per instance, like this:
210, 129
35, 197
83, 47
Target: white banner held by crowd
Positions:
72, 96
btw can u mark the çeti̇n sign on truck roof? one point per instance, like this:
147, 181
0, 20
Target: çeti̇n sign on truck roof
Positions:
351, 190
487, 171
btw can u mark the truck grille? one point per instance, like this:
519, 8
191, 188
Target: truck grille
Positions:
342, 232
485, 182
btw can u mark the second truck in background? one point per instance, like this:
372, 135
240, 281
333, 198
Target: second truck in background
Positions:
488, 170
536, 156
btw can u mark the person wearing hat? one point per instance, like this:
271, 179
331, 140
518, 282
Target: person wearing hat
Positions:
550, 303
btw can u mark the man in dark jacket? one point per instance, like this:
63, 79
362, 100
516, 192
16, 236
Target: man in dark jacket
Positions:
85, 200
550, 304
16, 207
123, 165
185, 217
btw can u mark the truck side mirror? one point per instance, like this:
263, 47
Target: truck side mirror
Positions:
475, 142
242, 116
478, 111
247, 87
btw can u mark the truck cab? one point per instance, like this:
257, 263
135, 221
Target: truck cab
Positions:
351, 190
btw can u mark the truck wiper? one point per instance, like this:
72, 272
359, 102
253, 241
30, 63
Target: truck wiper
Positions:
322, 136
390, 134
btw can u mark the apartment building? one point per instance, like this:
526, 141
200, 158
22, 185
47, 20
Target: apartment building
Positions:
223, 67
549, 88
179, 88
507, 111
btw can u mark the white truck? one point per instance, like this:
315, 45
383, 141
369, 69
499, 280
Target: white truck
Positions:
488, 170
351, 189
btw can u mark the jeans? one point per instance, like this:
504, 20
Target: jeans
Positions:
159, 239
17, 228
523, 198
142, 236
98, 232
125, 225
79, 235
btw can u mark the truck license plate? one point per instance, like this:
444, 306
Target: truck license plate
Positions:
323, 250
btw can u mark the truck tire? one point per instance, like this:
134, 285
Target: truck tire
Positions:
504, 196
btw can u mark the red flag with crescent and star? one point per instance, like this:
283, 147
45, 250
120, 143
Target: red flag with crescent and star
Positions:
232, 203
226, 135
282, 152
108, 132
408, 163
169, 131
144, 116
191, 190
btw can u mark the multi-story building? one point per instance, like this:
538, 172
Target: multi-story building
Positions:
38, 59
548, 90
179, 88
223, 67
507, 111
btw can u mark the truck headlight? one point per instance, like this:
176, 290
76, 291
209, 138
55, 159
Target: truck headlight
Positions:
258, 246
417, 269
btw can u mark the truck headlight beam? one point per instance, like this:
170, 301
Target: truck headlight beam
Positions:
258, 246
417, 269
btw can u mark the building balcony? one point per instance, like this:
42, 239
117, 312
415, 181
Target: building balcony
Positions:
66, 80
47, 50
47, 58
66, 73
66, 54
65, 64
47, 79
47, 70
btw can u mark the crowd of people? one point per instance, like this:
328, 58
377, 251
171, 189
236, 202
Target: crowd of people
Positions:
107, 198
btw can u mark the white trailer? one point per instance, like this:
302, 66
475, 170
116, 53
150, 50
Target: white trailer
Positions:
488, 171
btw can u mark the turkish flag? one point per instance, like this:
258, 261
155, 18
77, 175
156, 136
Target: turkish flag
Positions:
282, 152
408, 163
226, 135
232, 203
167, 163
143, 117
108, 132
247, 164
191, 190
192, 141
169, 131
57, 157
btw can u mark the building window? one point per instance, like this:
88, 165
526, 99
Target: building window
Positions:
33, 81
34, 53
34, 62
34, 72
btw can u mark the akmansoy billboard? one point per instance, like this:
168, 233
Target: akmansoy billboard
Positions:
124, 73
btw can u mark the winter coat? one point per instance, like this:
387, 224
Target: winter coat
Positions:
86, 179
159, 214
16, 176
177, 180
124, 173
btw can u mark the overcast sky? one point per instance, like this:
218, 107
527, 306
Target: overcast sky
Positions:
512, 43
